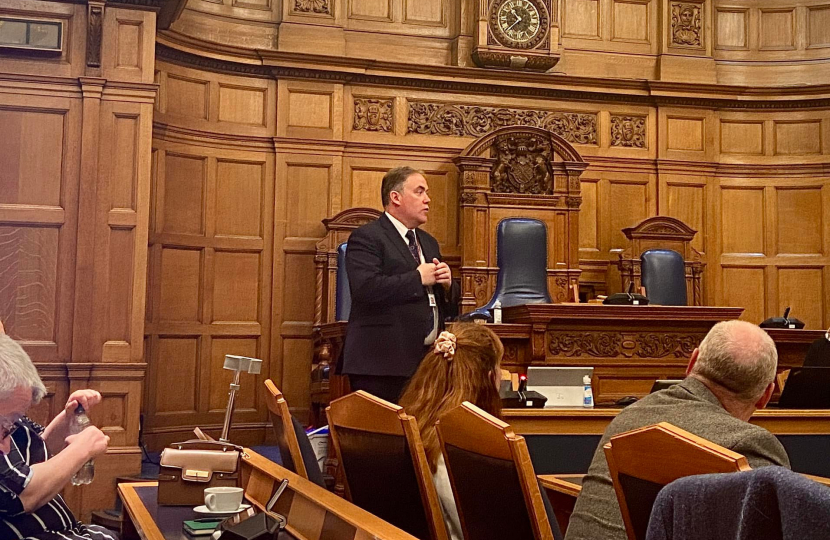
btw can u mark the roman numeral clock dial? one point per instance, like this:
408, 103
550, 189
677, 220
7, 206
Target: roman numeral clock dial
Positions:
520, 35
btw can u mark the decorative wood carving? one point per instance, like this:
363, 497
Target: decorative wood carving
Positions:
629, 131
312, 6
522, 165
622, 344
662, 232
433, 118
94, 33
534, 173
686, 25
372, 114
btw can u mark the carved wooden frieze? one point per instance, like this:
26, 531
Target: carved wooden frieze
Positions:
686, 25
312, 6
94, 33
628, 131
372, 114
522, 165
474, 121
601, 344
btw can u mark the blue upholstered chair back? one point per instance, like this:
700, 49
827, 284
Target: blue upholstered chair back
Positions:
664, 277
343, 297
522, 256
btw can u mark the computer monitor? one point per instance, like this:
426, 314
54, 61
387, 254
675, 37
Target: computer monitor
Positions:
806, 388
561, 385
662, 384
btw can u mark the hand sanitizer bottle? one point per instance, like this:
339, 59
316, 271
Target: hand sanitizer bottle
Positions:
497, 312
587, 393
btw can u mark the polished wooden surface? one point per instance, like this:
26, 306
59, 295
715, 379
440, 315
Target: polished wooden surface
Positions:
594, 421
629, 347
312, 512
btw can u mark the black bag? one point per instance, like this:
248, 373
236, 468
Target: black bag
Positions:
262, 526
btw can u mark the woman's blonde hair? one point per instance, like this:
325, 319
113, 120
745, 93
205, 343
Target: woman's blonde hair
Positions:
442, 383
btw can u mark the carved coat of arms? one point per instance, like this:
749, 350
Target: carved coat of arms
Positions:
522, 165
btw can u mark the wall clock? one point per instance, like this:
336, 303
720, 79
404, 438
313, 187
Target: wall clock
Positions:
517, 34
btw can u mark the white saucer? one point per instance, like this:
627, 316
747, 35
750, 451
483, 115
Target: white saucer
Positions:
205, 511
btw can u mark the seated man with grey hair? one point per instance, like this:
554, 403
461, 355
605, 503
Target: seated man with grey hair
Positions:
729, 376
35, 462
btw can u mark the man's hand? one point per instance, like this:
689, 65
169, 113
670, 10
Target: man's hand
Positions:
2, 330
87, 398
427, 271
91, 440
443, 275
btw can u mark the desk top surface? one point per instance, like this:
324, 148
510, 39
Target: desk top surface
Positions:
154, 522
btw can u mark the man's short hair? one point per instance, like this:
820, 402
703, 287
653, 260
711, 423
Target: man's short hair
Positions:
740, 357
17, 369
394, 180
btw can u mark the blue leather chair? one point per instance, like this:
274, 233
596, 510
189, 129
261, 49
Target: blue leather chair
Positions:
522, 257
342, 295
663, 274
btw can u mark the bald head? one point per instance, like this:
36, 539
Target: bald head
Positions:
738, 356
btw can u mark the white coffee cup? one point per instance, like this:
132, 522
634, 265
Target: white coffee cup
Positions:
223, 499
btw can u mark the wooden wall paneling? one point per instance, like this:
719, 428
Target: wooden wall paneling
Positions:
310, 110
818, 26
731, 28
38, 216
210, 285
777, 29
70, 63
304, 182
797, 137
128, 45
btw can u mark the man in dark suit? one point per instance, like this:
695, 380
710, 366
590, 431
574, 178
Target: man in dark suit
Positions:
729, 376
398, 286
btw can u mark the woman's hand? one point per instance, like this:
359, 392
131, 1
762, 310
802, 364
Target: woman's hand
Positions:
87, 398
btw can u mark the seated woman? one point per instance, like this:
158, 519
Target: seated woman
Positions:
463, 366
31, 506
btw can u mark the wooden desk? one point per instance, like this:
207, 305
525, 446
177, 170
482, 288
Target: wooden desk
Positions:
313, 513
628, 346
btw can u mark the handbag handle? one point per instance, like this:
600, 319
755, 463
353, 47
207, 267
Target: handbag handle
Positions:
198, 444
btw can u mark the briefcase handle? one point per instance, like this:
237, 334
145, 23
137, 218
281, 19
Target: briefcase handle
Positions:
198, 444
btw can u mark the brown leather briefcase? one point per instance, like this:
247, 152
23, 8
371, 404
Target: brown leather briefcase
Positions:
187, 468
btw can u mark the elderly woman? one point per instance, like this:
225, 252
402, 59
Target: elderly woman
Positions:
36, 463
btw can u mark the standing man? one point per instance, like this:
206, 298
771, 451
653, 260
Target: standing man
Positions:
398, 286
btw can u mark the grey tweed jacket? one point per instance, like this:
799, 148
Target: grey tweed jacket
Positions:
688, 405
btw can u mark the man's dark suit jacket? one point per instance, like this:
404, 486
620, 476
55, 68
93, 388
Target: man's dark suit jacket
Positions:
689, 405
390, 315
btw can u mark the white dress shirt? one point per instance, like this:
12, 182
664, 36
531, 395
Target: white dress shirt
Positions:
402, 230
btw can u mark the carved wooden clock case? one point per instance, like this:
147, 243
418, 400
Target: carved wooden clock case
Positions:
517, 34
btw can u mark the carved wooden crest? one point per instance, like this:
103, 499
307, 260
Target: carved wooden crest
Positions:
521, 164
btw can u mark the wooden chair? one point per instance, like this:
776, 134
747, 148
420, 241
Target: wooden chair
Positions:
384, 464
644, 460
492, 477
295, 448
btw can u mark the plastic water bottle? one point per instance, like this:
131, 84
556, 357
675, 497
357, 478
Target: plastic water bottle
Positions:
497, 312
587, 393
87, 472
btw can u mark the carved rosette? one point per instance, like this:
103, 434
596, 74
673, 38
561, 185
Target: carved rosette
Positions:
473, 121
686, 26
600, 344
628, 131
480, 288
321, 7
522, 165
372, 114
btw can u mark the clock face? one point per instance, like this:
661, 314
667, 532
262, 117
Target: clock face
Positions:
519, 24
519, 20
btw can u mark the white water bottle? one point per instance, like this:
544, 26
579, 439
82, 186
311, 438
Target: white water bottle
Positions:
79, 423
587, 393
497, 312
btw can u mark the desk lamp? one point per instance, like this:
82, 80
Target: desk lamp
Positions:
237, 364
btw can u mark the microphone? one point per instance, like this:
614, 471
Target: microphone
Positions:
522, 383
786, 315
630, 290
